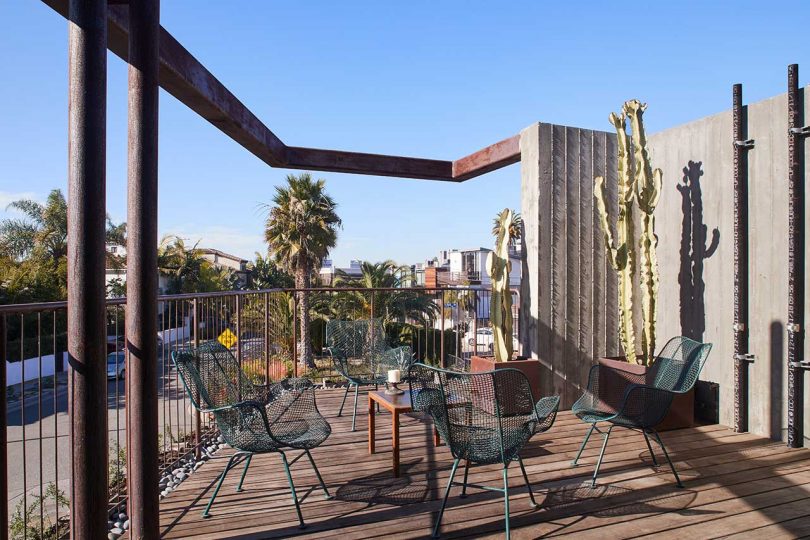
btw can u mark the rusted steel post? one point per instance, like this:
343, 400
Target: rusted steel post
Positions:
795, 326
4, 430
87, 118
741, 356
195, 334
142, 274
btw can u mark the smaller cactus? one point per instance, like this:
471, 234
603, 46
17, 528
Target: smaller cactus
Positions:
506, 231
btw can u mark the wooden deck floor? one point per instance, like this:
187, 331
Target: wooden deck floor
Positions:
735, 485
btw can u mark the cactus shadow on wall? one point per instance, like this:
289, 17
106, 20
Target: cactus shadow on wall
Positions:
694, 250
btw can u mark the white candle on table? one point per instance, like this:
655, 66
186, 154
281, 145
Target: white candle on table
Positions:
393, 375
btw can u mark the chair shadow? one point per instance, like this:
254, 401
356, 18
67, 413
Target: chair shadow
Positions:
383, 488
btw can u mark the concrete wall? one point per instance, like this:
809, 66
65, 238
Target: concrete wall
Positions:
696, 266
568, 293
568, 296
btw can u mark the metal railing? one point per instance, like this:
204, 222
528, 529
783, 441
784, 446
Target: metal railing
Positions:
262, 328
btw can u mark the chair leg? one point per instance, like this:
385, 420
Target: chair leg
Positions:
326, 494
506, 497
466, 472
231, 462
444, 501
354, 414
666, 455
345, 395
528, 484
601, 455
582, 446
649, 447
292, 491
244, 473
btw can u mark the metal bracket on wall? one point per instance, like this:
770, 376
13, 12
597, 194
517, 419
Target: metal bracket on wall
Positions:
739, 327
746, 144
803, 131
746, 357
794, 328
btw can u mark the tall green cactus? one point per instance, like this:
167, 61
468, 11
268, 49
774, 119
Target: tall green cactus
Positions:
506, 231
642, 184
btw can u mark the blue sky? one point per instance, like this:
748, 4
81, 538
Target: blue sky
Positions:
419, 78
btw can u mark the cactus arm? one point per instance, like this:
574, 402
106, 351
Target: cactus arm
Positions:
506, 230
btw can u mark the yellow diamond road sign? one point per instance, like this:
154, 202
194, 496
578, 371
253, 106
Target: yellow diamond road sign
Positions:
227, 338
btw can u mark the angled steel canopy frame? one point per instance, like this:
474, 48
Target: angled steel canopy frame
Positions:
184, 77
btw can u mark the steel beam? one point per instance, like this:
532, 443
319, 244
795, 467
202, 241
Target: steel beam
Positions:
87, 117
795, 326
500, 154
185, 78
360, 163
142, 273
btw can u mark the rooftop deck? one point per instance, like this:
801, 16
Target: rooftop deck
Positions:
736, 485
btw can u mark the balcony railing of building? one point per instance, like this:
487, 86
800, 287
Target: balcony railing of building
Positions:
260, 327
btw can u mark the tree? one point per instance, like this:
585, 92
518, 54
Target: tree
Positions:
397, 303
41, 233
266, 274
300, 230
188, 271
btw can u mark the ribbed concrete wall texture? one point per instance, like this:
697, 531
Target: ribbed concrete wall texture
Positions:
568, 297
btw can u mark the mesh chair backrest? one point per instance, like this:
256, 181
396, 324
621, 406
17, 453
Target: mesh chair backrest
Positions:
678, 365
476, 413
211, 375
348, 338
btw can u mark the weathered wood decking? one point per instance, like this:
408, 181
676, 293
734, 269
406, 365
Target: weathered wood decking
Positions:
735, 484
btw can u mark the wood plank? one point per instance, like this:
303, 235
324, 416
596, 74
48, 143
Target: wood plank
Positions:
731, 478
571, 285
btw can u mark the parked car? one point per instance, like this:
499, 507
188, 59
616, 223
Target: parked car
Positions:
116, 362
485, 340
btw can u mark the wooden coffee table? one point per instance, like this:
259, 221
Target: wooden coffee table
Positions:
396, 405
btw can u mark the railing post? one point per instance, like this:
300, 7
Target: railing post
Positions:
266, 338
87, 119
142, 278
239, 329
441, 337
295, 334
195, 332
4, 432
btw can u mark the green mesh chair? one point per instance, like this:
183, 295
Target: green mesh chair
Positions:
485, 418
362, 356
253, 419
640, 401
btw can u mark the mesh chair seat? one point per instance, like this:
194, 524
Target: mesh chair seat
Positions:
626, 398
252, 418
485, 418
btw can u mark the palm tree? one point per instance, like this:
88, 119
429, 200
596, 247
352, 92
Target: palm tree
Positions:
389, 305
42, 232
300, 230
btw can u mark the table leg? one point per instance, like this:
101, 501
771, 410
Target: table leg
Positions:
371, 418
395, 441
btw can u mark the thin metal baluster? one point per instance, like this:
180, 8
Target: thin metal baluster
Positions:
22, 415
117, 404
55, 423
39, 420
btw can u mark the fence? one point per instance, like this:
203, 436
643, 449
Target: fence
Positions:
263, 330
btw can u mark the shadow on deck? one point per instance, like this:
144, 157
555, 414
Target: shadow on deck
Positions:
735, 484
